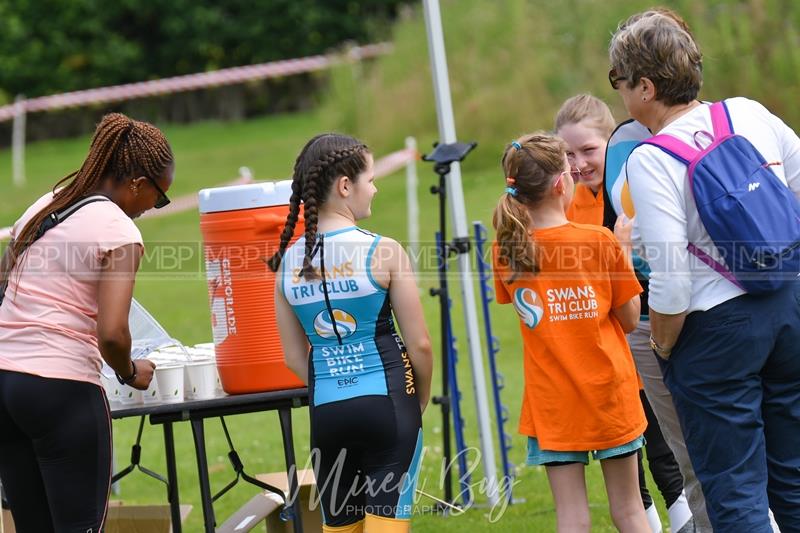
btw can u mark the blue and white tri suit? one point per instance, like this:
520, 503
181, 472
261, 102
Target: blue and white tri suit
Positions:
361, 384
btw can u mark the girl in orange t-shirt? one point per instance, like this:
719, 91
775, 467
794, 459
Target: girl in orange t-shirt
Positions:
575, 292
586, 123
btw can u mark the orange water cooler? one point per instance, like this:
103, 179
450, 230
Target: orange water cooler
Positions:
241, 227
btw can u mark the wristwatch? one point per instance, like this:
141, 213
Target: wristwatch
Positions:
663, 353
130, 379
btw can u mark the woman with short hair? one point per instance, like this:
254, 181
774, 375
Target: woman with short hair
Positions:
729, 357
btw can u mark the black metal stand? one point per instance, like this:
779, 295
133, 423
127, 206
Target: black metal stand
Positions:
196, 411
443, 254
136, 457
443, 156
290, 510
173, 496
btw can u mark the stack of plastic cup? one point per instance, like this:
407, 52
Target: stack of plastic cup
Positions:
202, 379
207, 349
130, 396
112, 388
169, 382
150, 395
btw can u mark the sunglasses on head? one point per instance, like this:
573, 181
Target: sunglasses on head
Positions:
163, 200
614, 78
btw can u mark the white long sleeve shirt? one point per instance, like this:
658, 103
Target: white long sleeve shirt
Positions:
666, 214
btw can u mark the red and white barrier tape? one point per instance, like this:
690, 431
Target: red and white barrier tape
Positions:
228, 76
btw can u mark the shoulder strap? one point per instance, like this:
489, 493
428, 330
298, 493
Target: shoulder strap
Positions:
721, 123
52, 220
721, 120
674, 147
713, 264
70, 209
57, 217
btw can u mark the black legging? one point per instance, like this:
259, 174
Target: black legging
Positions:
55, 453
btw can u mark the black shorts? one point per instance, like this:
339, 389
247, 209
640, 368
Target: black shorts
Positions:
366, 452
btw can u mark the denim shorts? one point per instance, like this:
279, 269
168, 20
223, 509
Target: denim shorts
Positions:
537, 456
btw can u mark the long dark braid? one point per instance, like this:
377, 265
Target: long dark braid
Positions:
323, 159
291, 222
121, 148
311, 214
294, 208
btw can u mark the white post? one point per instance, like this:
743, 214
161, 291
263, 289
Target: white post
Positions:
455, 195
412, 204
18, 141
246, 174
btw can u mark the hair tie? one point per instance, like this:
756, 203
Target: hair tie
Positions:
516, 145
510, 180
512, 191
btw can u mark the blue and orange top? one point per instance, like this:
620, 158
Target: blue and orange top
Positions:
355, 349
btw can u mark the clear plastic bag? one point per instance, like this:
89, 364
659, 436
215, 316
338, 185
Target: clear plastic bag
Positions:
147, 335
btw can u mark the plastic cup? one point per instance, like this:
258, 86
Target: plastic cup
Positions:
207, 346
166, 358
170, 383
205, 351
202, 379
130, 396
219, 379
112, 388
150, 395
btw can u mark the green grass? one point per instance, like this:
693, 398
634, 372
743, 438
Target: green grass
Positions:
511, 62
209, 154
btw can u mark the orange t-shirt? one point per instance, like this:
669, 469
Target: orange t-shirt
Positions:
581, 390
586, 207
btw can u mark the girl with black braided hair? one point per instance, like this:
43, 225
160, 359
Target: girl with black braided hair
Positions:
70, 272
338, 287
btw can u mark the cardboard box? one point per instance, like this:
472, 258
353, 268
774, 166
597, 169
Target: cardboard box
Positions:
312, 518
7, 523
252, 513
124, 518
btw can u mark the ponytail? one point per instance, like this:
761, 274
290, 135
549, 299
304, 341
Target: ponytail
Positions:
516, 248
529, 165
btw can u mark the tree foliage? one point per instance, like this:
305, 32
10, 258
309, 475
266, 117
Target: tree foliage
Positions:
53, 46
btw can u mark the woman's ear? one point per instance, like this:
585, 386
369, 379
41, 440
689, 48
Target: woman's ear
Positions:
136, 184
649, 91
344, 185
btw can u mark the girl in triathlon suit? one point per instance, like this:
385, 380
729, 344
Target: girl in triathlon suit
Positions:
336, 291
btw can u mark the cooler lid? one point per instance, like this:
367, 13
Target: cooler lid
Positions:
250, 196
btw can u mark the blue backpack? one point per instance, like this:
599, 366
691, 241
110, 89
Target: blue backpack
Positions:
750, 214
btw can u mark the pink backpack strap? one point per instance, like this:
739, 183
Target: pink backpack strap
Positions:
709, 261
721, 120
675, 147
